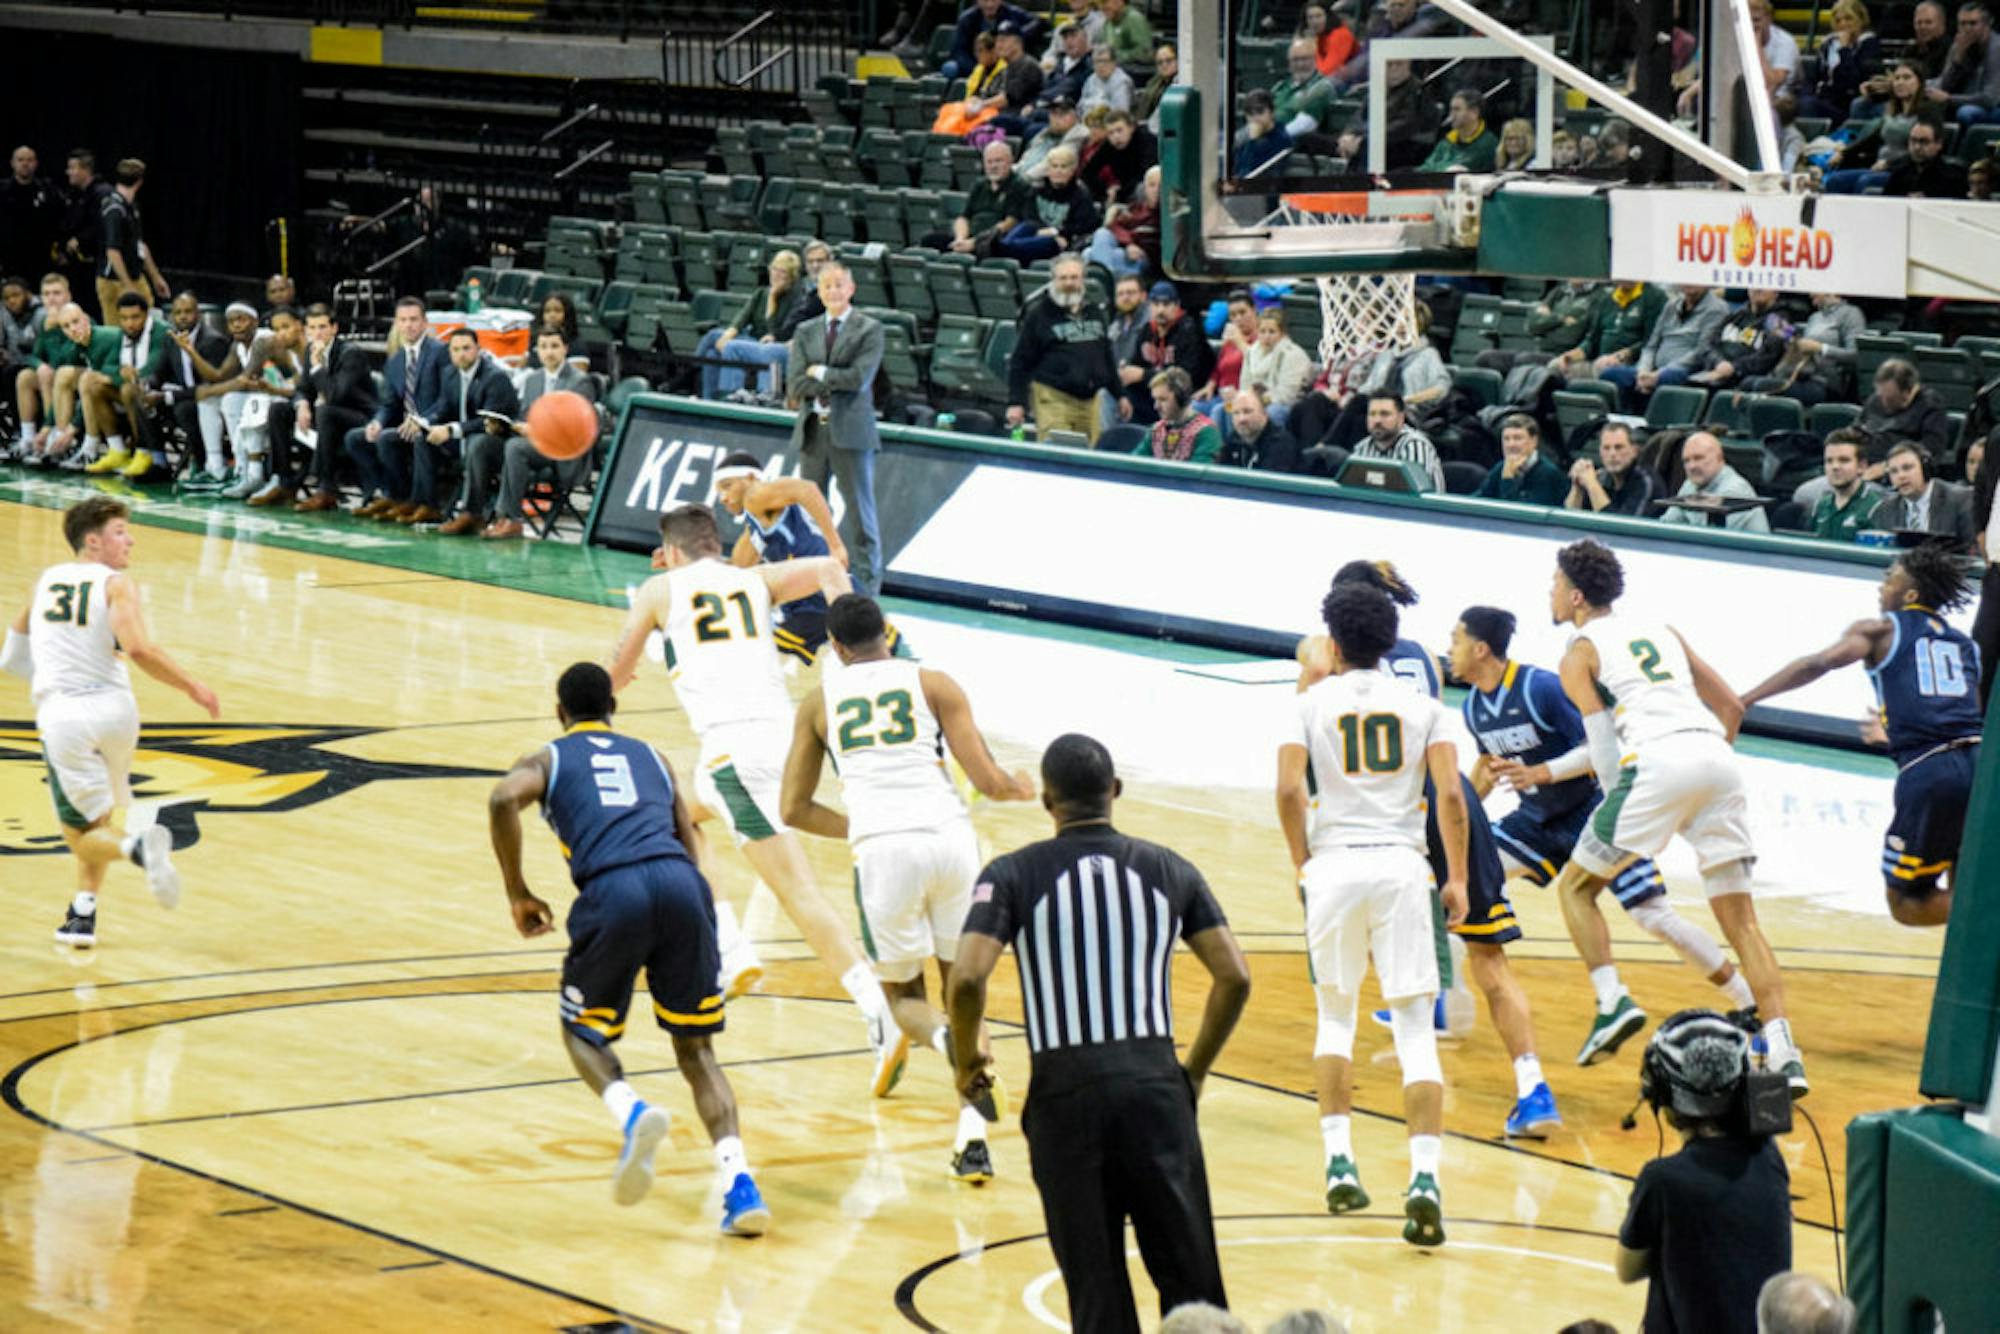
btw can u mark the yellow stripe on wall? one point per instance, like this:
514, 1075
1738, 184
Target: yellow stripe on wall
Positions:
347, 46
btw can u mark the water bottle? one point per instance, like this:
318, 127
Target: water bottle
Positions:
474, 302
947, 421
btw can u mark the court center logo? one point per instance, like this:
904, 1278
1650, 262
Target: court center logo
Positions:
186, 769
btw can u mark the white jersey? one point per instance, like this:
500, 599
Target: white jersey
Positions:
69, 633
720, 654
888, 749
1366, 734
1643, 672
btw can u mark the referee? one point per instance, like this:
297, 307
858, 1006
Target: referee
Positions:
1110, 1115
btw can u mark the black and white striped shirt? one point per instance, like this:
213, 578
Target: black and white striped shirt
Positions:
1093, 916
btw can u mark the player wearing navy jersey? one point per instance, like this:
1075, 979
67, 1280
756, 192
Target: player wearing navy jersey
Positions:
1530, 738
641, 903
1926, 677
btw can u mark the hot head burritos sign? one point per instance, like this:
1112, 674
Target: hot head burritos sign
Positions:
1852, 245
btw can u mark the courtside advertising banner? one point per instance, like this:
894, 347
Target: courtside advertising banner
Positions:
1853, 245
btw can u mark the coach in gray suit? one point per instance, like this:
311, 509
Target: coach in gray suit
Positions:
1922, 502
516, 459
830, 379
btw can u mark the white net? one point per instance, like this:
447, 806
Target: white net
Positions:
1363, 314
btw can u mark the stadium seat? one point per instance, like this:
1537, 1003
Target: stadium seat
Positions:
732, 145
684, 193
957, 365
909, 285
615, 305
996, 289
1826, 418
1675, 405
871, 275
1483, 385
700, 265
1478, 330
951, 286
648, 205
1768, 413
1574, 410
511, 287
1952, 372
1605, 391
1121, 438
1870, 351
1462, 478
774, 210
802, 210
882, 217
836, 212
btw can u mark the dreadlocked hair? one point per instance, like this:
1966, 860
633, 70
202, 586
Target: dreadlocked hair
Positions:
1939, 578
1379, 575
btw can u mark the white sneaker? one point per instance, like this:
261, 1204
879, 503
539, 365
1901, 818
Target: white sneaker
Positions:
267, 490
741, 970
156, 854
892, 1053
252, 480
78, 459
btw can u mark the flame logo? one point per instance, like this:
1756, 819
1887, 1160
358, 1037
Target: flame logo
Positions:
1743, 237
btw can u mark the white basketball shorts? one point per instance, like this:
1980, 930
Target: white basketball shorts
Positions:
913, 890
88, 741
1371, 902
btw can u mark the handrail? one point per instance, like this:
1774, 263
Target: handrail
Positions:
740, 35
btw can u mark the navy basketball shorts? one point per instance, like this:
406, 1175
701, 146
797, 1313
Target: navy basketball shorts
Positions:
800, 628
657, 915
1931, 798
1489, 917
1541, 848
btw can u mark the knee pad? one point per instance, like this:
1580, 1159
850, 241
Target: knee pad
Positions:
1655, 917
1337, 1011
1731, 877
1412, 1021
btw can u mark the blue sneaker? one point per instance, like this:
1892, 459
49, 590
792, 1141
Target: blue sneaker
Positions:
1533, 1115
1438, 1018
644, 1129
743, 1211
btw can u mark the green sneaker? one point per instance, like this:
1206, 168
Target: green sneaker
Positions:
1609, 1031
1343, 1186
1423, 1207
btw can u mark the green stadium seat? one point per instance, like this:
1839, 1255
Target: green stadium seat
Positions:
648, 204
685, 193
836, 212
1675, 405
957, 357
1826, 418
996, 289
1953, 372
732, 145
909, 285
951, 286
1768, 413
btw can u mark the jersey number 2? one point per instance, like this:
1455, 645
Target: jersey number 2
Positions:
72, 603
857, 714
1373, 742
711, 618
1648, 654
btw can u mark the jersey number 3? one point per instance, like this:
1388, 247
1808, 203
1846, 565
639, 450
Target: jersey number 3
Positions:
614, 781
856, 714
711, 617
1373, 742
72, 603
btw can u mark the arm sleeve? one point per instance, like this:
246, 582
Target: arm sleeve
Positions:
1603, 735
16, 656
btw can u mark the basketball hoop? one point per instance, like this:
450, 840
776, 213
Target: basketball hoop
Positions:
1363, 314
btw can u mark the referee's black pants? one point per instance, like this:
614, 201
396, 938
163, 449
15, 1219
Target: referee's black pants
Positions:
1111, 1136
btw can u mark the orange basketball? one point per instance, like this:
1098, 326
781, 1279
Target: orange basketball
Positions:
562, 425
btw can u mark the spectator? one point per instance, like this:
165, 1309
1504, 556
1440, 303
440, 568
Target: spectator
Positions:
1780, 50
982, 82
279, 290
559, 309
1179, 433
1129, 318
1062, 357
1418, 375
1968, 88
1979, 180
1253, 438
30, 214
96, 367
1517, 146
1020, 82
1887, 143
143, 346
20, 319
35, 383
1067, 64
127, 265
1116, 169
750, 337
1799, 1303
555, 371
1926, 173
82, 232
1064, 130
335, 396
1558, 323
1129, 240
979, 20
1563, 153
1930, 45
1850, 501
1390, 436
1395, 18
1108, 86
1326, 28
1409, 121
1166, 70
268, 375
830, 381
1708, 474
1084, 14
1060, 216
1675, 347
1201, 1318
1276, 365
1618, 483
1922, 503
997, 201
1170, 339
1127, 33
1304, 98
1468, 145
1848, 59
1791, 139
1903, 408
1819, 360
1709, 1224
478, 408
413, 385
1750, 344
1239, 332
818, 255
196, 404
1523, 474
1262, 141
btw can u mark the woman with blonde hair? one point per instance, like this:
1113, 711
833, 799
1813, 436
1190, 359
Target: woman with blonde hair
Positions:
1848, 58
757, 335
1517, 146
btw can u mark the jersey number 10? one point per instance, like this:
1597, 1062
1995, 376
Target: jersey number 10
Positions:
1940, 669
1373, 742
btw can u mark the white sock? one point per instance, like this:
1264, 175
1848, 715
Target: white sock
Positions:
1336, 1133
27, 433
216, 465
1778, 1037
1425, 1151
1605, 982
1527, 1074
620, 1097
117, 442
730, 1160
92, 444
859, 982
941, 1039
128, 847
84, 904
1738, 991
971, 1126
728, 932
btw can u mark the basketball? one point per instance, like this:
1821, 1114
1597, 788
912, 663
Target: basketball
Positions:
562, 425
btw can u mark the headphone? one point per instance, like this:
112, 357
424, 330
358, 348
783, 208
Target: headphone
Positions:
1665, 1076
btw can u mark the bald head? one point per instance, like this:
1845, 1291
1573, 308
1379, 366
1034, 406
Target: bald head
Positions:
1701, 458
1795, 1303
74, 321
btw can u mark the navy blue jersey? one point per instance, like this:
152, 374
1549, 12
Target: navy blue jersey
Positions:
1529, 718
610, 801
1928, 685
1409, 662
792, 536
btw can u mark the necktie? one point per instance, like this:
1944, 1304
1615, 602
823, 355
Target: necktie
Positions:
832, 333
410, 383
464, 391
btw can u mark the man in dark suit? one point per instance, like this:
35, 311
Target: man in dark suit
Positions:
336, 395
1922, 503
830, 379
412, 397
179, 383
514, 457
478, 412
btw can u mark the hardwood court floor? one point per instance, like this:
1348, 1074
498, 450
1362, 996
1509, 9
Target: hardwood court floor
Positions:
328, 1092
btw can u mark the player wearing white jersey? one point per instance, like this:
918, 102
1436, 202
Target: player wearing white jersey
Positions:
67, 641
1351, 770
1658, 723
723, 662
885, 723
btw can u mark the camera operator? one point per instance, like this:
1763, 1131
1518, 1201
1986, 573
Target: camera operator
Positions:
1709, 1224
